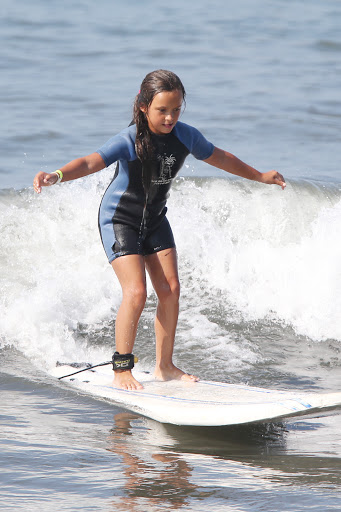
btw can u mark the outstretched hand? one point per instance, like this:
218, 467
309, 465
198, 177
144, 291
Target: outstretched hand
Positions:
273, 178
44, 179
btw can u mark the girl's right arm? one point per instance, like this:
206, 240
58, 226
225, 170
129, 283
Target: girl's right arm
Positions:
71, 171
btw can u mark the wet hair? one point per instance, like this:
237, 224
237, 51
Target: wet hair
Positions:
153, 83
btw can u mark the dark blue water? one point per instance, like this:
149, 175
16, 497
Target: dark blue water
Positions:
260, 268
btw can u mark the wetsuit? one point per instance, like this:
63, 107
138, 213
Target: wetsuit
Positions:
131, 221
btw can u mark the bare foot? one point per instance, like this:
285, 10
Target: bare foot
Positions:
171, 372
125, 380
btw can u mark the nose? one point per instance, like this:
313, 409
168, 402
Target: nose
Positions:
169, 116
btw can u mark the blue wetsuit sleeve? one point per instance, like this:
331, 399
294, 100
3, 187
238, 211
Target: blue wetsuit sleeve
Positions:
195, 142
119, 147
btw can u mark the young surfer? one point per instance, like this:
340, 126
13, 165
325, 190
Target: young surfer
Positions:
134, 228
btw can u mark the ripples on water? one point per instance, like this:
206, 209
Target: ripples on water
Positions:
74, 453
264, 86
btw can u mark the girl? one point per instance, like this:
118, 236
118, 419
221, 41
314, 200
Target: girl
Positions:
134, 228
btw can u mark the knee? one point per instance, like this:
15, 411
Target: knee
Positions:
175, 289
169, 292
136, 296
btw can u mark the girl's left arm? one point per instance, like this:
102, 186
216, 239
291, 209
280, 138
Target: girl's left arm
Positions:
230, 163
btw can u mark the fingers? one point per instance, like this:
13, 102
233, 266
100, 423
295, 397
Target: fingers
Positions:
37, 182
280, 181
43, 179
275, 178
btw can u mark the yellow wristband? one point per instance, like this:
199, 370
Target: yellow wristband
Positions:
59, 174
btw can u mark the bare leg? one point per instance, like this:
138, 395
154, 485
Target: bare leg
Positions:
130, 271
163, 270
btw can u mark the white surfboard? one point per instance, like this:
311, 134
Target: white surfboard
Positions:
203, 403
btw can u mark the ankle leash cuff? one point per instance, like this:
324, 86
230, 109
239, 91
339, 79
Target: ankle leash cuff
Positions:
123, 361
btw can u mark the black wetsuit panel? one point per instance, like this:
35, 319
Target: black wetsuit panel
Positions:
125, 201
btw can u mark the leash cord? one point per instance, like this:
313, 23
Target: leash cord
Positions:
85, 369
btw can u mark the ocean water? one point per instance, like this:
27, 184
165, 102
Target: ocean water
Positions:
259, 267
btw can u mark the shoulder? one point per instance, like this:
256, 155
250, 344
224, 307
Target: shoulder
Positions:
185, 129
127, 135
120, 146
194, 140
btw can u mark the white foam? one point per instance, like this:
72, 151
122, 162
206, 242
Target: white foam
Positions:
272, 253
246, 250
57, 275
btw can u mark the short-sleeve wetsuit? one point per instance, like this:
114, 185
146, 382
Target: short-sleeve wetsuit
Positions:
128, 223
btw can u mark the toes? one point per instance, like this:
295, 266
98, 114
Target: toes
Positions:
189, 378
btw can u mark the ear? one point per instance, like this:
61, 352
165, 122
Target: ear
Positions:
143, 108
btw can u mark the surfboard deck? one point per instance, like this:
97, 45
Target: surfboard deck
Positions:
203, 403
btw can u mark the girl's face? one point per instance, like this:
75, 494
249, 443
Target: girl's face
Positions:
164, 111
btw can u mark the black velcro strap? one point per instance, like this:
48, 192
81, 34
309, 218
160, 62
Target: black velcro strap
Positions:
122, 361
